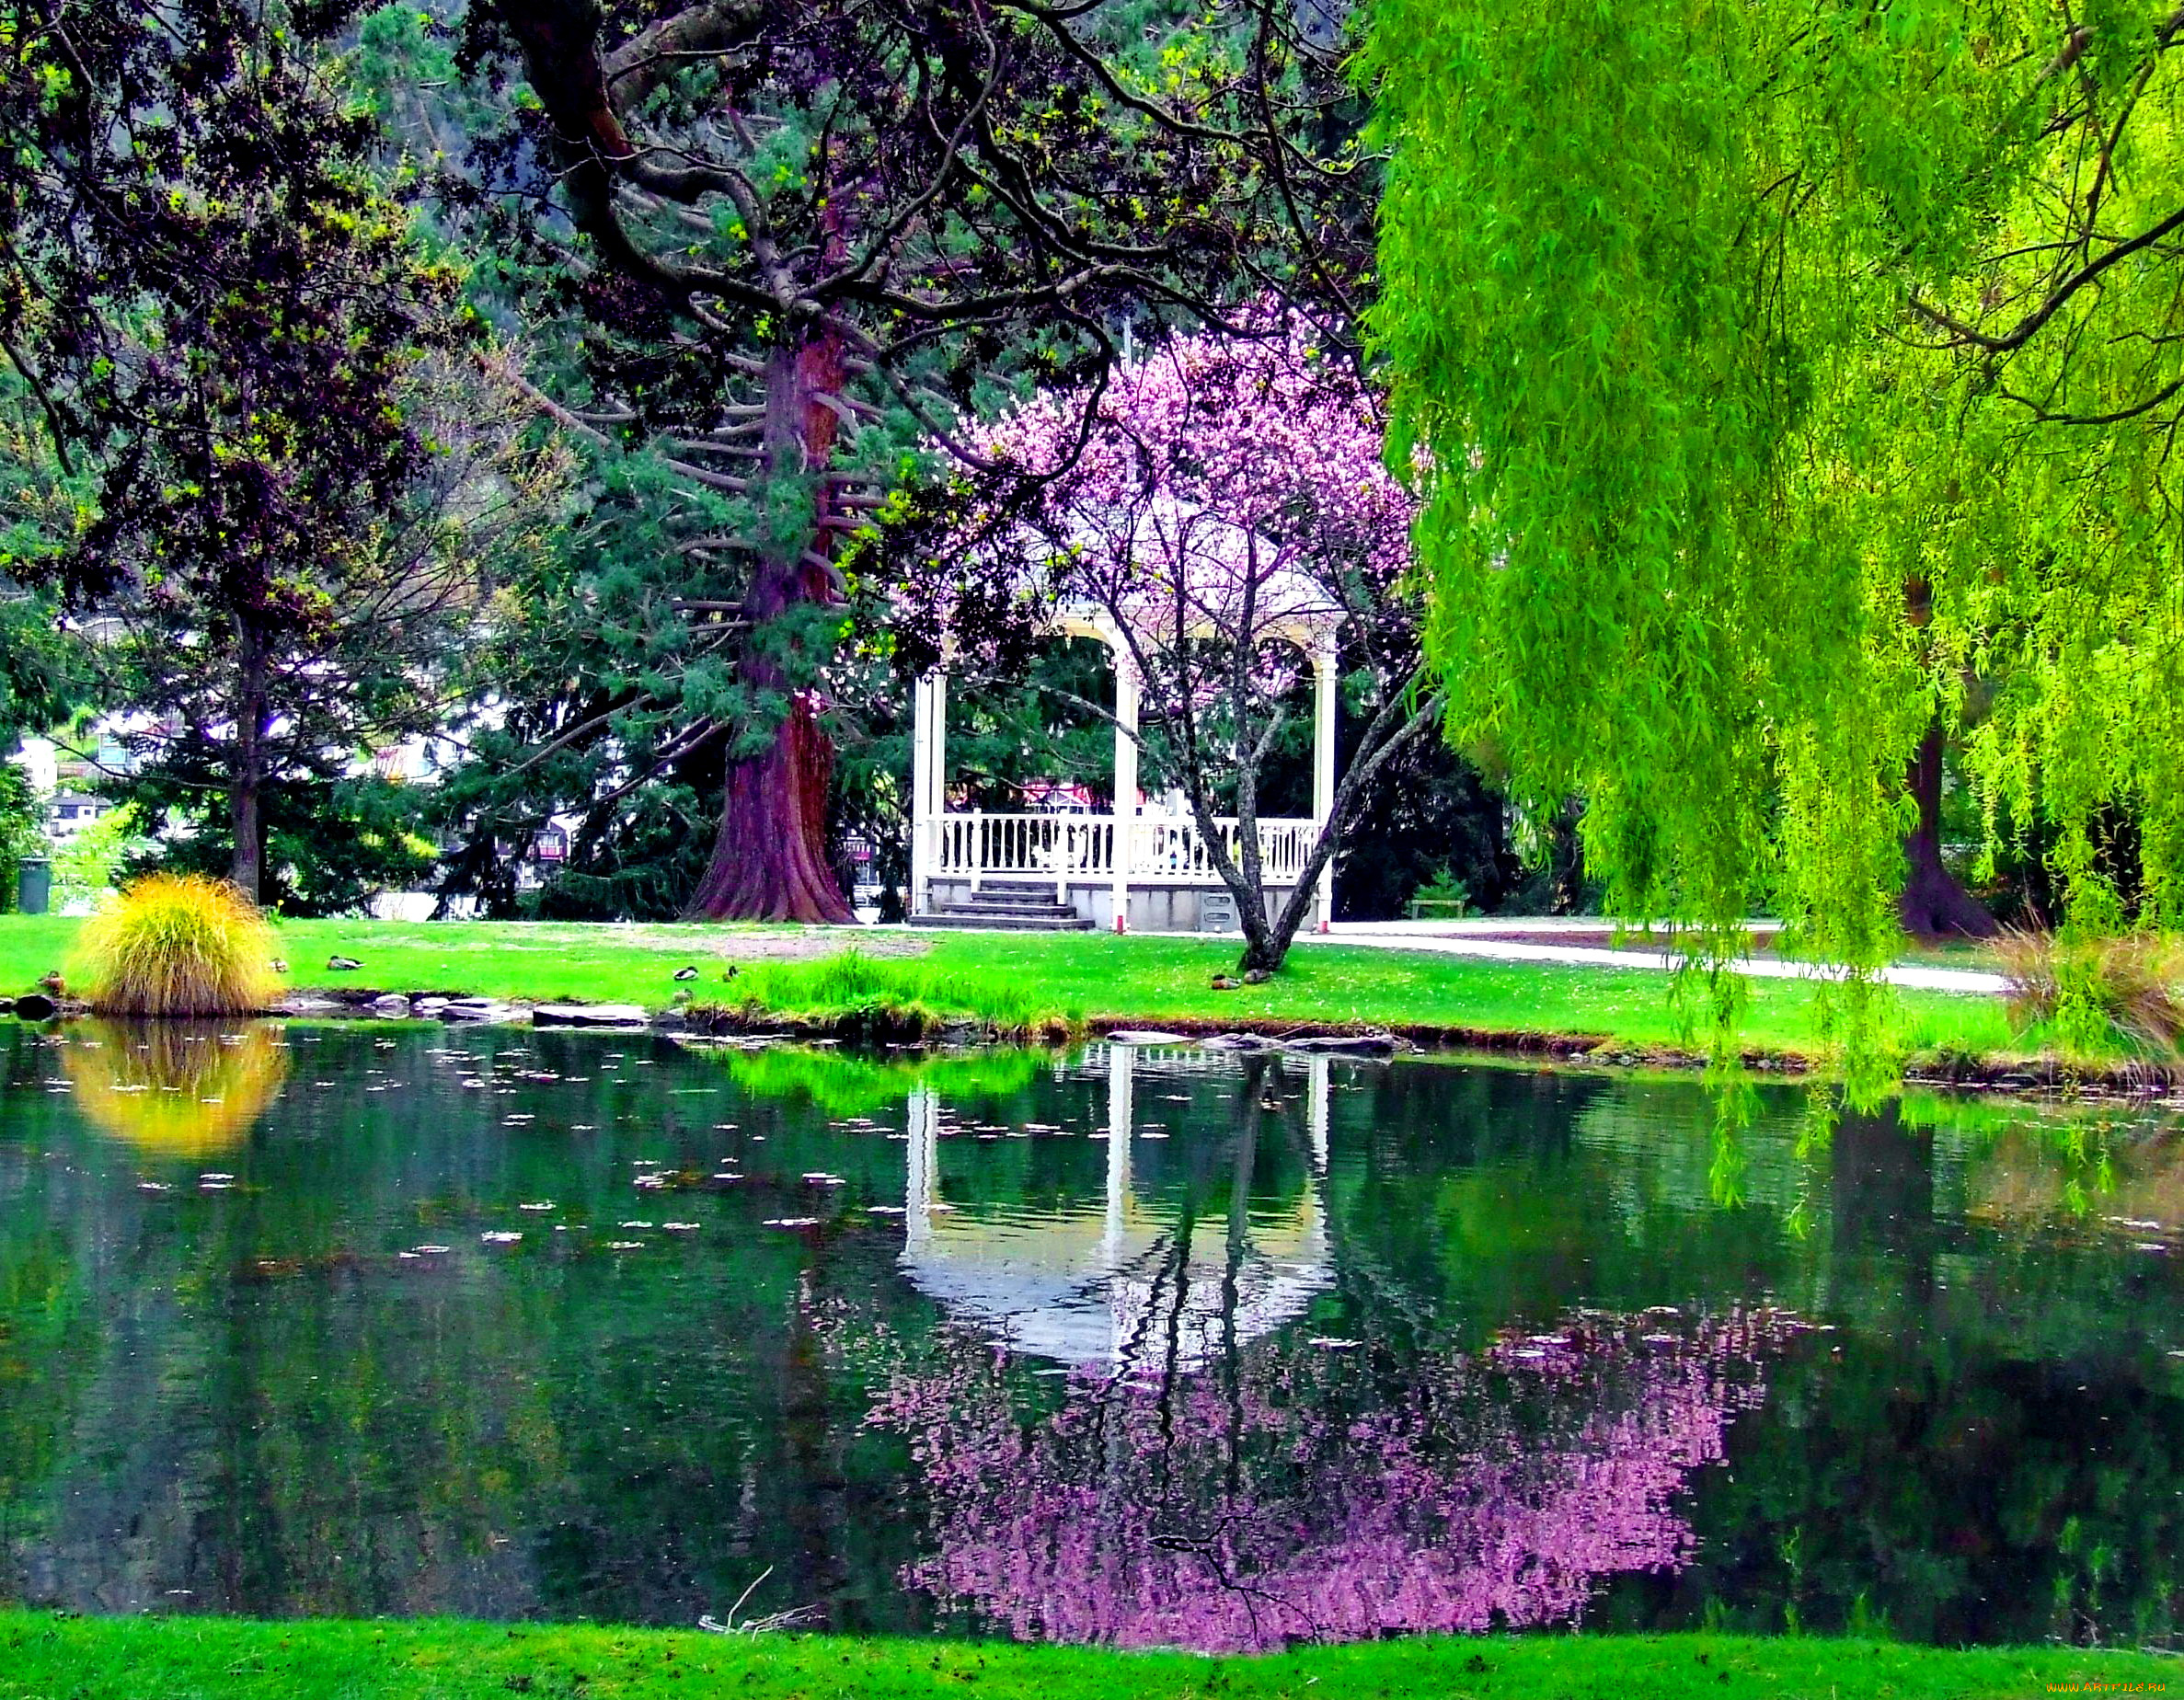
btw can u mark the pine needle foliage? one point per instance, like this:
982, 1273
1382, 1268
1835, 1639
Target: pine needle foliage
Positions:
179, 945
1784, 376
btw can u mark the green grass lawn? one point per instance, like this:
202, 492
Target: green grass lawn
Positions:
185, 1658
1023, 978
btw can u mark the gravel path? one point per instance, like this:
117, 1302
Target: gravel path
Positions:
1471, 939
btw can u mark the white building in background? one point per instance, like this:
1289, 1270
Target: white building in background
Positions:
70, 782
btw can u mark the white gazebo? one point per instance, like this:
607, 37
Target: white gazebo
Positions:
1139, 868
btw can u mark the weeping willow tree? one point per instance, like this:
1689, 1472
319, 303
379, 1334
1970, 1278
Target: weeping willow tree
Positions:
1793, 384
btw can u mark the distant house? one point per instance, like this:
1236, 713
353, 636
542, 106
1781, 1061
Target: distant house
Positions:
72, 812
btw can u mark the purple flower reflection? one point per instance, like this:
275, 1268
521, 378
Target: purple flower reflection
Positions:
1299, 1495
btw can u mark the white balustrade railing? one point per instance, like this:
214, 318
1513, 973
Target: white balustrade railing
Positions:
1154, 848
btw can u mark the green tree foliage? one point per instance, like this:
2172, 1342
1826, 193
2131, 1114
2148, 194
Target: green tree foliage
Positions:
1783, 376
883, 217
22, 828
255, 385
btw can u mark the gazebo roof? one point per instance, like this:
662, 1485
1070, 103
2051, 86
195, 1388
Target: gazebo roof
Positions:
1207, 560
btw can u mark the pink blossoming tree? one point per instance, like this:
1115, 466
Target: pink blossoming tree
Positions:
1223, 502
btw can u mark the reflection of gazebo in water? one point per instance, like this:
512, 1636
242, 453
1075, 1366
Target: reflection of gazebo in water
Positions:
1112, 1287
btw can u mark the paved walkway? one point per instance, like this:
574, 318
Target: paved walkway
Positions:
1478, 939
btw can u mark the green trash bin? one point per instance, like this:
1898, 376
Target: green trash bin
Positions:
33, 885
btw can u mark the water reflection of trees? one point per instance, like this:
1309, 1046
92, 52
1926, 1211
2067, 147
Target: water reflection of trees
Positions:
1294, 1491
1211, 1473
845, 1083
252, 1397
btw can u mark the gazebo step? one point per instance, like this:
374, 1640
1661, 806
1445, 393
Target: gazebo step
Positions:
958, 915
1002, 906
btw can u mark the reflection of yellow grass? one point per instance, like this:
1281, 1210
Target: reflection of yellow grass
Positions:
2030, 1175
179, 1089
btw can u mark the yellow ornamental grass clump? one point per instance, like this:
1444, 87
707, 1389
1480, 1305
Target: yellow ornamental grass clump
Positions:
179, 945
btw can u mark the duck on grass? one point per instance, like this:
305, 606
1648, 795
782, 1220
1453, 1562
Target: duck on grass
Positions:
179, 945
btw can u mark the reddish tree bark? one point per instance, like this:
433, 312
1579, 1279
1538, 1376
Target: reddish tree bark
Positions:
1935, 904
769, 859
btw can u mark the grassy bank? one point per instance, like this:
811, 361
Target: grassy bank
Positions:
1023, 980
184, 1658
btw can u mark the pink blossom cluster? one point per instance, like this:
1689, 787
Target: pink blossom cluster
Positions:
1228, 484
1292, 1496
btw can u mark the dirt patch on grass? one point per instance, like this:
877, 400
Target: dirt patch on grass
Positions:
729, 943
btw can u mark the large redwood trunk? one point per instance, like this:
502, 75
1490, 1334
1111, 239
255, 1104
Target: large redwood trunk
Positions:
769, 859
1935, 904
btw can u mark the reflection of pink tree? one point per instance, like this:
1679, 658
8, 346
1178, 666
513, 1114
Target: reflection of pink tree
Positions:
1295, 1498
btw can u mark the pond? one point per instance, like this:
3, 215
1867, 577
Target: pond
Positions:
1133, 1346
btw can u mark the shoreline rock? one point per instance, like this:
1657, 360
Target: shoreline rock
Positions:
590, 1016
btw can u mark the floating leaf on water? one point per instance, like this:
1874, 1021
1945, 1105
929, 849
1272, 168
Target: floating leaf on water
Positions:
538, 1209
432, 1251
634, 1225
792, 1221
1333, 1342
625, 1245
680, 1228
500, 1237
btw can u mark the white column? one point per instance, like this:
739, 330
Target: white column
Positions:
920, 786
937, 774
1121, 1065
928, 785
1323, 680
1126, 705
920, 1183
1316, 1111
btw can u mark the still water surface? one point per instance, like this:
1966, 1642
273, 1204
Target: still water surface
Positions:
1138, 1347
